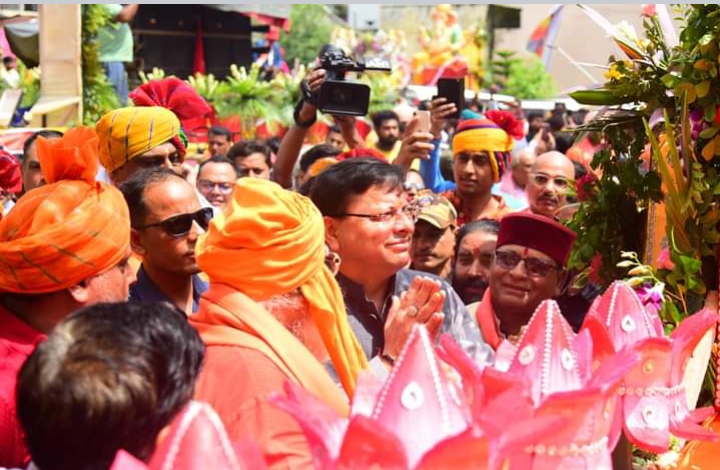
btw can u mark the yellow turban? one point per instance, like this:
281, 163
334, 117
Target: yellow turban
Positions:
483, 135
271, 242
68, 230
129, 132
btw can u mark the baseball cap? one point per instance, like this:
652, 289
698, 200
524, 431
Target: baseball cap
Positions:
439, 213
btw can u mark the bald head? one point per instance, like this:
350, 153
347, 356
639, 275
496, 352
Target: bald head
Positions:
521, 167
550, 179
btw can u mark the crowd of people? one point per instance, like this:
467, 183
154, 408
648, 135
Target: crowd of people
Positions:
123, 298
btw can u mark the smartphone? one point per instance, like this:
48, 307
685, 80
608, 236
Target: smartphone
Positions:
423, 119
453, 90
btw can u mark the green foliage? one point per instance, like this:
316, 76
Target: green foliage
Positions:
29, 84
608, 223
500, 67
527, 80
311, 28
98, 95
681, 84
384, 93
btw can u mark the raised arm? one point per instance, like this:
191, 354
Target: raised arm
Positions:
430, 168
352, 137
292, 142
127, 14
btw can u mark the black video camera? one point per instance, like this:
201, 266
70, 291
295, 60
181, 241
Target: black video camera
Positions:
338, 96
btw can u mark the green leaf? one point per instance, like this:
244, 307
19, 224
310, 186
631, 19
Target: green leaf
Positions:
702, 88
690, 265
599, 97
669, 80
709, 112
709, 132
705, 40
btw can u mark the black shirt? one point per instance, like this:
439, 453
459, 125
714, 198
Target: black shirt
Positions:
368, 323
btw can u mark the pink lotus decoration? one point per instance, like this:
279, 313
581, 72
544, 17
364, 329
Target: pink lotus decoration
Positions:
418, 419
197, 440
653, 402
565, 381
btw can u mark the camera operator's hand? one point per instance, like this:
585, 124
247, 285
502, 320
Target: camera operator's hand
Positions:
440, 111
314, 80
352, 137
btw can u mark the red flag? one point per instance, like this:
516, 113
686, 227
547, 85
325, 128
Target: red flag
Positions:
199, 59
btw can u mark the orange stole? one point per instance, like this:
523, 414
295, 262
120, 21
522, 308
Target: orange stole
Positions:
228, 317
486, 321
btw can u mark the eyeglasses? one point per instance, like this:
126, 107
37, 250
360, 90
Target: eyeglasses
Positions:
410, 211
534, 267
207, 186
541, 179
180, 225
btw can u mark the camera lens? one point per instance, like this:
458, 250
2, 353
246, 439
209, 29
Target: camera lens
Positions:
341, 95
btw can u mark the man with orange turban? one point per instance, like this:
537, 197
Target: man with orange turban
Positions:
64, 245
273, 313
150, 133
481, 154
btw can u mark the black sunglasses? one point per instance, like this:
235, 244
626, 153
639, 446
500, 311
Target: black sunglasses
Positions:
179, 225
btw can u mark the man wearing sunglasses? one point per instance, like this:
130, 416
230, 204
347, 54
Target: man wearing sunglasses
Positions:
166, 218
551, 177
216, 181
528, 267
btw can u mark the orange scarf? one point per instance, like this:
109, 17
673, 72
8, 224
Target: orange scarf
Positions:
271, 242
230, 318
486, 321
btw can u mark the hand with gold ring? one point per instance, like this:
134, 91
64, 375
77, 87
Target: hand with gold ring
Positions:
422, 303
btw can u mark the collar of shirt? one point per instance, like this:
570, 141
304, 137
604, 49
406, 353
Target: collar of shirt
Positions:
17, 331
145, 290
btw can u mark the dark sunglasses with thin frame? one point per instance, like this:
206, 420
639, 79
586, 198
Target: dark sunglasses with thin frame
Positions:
535, 267
179, 225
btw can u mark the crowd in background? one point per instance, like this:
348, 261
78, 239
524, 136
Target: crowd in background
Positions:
292, 262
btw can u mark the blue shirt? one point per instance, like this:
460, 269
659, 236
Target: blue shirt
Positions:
146, 291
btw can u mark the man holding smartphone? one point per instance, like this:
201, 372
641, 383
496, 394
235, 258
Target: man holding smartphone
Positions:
481, 154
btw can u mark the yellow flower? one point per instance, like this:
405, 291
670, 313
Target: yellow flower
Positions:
613, 73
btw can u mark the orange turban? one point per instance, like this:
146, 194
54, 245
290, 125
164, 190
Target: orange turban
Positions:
271, 242
68, 230
129, 132
493, 133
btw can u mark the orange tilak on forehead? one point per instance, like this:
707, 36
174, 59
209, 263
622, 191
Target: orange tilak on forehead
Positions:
526, 251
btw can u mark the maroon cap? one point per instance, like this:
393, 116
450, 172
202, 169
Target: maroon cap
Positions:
537, 232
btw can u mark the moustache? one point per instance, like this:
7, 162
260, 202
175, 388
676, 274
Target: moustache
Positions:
473, 283
548, 198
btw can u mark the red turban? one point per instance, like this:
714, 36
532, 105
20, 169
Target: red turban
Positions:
10, 174
173, 94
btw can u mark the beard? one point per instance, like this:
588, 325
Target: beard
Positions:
387, 142
470, 290
293, 312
